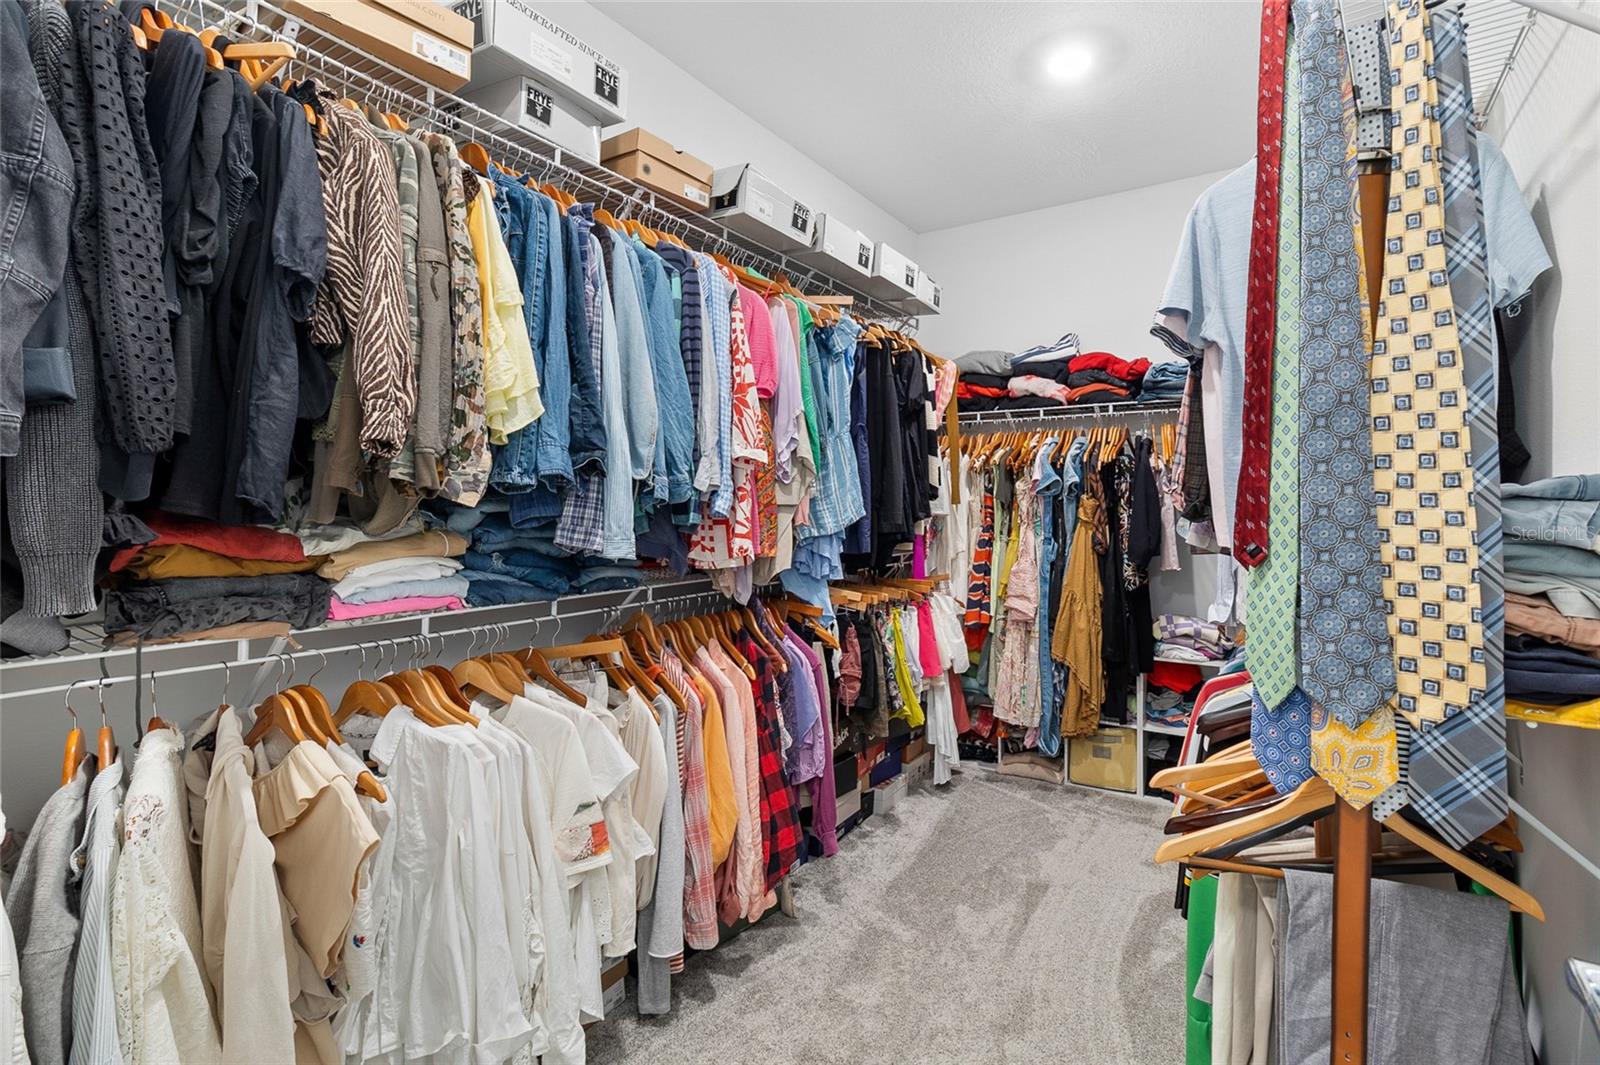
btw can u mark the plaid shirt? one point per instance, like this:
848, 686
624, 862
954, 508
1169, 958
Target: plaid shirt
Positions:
699, 887
781, 836
581, 528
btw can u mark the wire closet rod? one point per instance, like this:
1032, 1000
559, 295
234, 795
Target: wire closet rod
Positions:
698, 598
1046, 418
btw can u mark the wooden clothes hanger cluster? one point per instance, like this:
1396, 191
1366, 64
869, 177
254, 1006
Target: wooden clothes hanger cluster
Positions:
1226, 806
861, 592
152, 25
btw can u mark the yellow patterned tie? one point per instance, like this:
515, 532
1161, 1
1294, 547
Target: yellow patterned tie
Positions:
1423, 471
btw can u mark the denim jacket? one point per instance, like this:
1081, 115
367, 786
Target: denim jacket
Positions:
516, 467
588, 431
36, 193
675, 448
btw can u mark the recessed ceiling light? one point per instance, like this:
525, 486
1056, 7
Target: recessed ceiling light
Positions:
1069, 63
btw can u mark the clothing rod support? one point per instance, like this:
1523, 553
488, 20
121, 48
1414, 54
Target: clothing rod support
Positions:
1566, 12
1550, 834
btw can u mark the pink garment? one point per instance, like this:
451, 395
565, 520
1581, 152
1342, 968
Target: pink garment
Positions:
919, 557
763, 346
824, 799
339, 610
927, 643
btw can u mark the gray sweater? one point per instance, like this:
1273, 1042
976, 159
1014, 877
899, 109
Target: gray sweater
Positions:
52, 499
43, 907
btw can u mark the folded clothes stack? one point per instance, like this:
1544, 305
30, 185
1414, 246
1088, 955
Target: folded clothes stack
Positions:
1180, 637
506, 564
1164, 381
201, 580
1170, 690
404, 575
1057, 375
1552, 580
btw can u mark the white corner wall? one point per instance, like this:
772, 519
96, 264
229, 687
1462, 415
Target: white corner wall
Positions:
670, 102
1096, 267
1545, 121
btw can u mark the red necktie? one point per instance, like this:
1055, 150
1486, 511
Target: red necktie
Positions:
1250, 515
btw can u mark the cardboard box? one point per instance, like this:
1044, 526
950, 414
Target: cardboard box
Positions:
839, 250
886, 767
919, 770
1107, 759
514, 39
533, 105
748, 202
889, 794
927, 297
893, 275
424, 38
916, 747
657, 164
849, 805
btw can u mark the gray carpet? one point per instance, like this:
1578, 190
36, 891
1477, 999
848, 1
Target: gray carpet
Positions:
996, 920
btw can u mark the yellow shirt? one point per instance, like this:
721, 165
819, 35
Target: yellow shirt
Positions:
510, 382
719, 773
911, 708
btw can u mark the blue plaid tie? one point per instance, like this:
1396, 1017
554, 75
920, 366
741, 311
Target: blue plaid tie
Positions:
1456, 769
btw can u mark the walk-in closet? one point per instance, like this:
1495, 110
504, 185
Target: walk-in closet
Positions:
595, 531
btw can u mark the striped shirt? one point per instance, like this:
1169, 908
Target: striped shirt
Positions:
699, 876
94, 1003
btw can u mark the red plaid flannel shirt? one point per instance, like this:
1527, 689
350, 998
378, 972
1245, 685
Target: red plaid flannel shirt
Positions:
781, 835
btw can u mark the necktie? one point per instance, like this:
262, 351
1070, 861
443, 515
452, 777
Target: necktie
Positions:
1280, 739
1455, 772
1345, 661
1275, 584
1422, 469
1250, 517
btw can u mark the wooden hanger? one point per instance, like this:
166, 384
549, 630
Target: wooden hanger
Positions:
447, 681
105, 742
259, 61
1515, 896
156, 721
476, 156
72, 748
513, 675
537, 664
1313, 795
630, 668
478, 673
365, 697
725, 640
276, 712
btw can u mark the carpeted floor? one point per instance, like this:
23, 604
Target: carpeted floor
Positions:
996, 920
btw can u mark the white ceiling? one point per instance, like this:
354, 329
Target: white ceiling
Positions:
941, 113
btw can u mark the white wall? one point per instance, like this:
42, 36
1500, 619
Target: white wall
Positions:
665, 99
1096, 267
1545, 120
